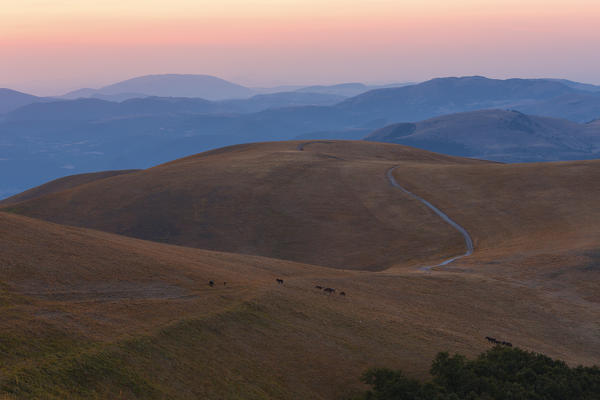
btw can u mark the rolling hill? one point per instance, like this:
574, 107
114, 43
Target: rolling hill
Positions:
93, 314
275, 191
332, 192
499, 135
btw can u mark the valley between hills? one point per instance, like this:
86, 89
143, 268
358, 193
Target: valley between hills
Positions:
105, 294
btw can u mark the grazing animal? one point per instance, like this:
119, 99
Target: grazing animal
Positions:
342, 293
279, 281
211, 283
495, 341
318, 287
329, 290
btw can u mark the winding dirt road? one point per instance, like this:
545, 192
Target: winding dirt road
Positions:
441, 214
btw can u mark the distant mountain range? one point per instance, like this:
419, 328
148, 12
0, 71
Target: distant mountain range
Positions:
451, 95
206, 87
578, 85
48, 139
170, 85
499, 135
10, 100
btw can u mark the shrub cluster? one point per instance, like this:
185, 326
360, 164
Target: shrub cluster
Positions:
501, 373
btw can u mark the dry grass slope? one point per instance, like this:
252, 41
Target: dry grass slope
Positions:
91, 314
87, 314
60, 184
329, 204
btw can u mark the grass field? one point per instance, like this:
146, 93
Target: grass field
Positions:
92, 314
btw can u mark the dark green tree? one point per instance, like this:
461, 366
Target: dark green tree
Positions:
501, 373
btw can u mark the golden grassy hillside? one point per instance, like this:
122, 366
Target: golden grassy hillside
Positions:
536, 223
87, 314
329, 204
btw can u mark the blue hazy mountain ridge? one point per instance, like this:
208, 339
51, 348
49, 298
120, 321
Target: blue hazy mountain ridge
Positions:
44, 141
208, 87
498, 135
263, 102
415, 102
451, 95
11, 100
92, 94
348, 89
580, 107
578, 85
94, 109
171, 85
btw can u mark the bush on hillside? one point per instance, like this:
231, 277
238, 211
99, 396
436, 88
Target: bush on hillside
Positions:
500, 373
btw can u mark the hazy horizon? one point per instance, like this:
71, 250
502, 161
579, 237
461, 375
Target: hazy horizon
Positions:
268, 43
250, 85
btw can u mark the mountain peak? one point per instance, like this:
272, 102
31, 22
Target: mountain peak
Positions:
170, 85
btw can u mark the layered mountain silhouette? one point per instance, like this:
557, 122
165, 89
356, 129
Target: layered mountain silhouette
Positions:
10, 100
450, 95
348, 89
208, 87
500, 135
170, 85
578, 85
44, 141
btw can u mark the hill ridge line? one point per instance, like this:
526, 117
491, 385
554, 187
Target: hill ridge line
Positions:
441, 214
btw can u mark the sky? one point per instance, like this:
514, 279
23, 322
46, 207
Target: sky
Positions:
48, 47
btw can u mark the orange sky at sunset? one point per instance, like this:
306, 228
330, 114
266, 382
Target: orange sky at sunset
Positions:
49, 47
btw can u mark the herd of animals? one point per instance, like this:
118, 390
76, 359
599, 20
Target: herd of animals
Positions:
279, 281
495, 341
330, 291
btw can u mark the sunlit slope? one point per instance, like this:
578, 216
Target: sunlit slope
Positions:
87, 314
536, 224
328, 204
512, 207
